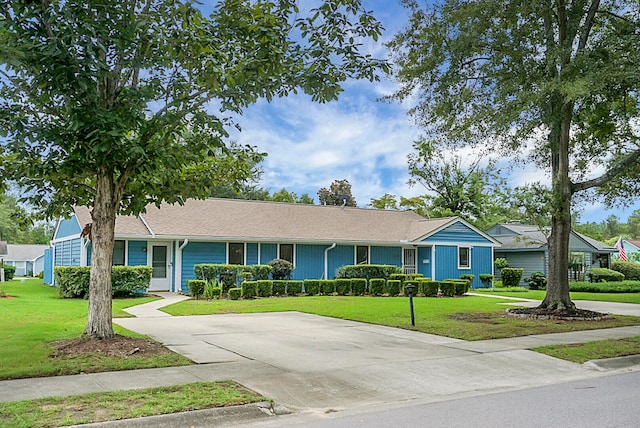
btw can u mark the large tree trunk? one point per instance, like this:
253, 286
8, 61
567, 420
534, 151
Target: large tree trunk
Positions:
99, 320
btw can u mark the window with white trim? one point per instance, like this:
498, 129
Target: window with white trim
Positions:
362, 255
236, 253
464, 258
286, 252
118, 253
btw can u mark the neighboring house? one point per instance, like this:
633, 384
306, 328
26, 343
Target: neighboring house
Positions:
27, 258
632, 249
316, 239
3, 250
525, 246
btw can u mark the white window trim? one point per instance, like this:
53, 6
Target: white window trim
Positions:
469, 258
355, 254
293, 251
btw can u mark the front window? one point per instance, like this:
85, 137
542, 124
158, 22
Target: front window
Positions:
286, 252
464, 257
362, 255
236, 253
118, 253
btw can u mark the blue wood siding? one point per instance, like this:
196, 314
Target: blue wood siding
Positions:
68, 227
201, 252
268, 252
340, 256
386, 256
447, 263
137, 253
424, 254
67, 253
48, 266
252, 253
309, 261
457, 232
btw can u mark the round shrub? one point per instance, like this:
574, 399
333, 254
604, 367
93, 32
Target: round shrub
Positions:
537, 281
501, 263
511, 276
9, 271
630, 270
281, 269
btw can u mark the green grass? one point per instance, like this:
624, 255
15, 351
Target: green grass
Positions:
468, 318
539, 295
34, 315
583, 352
117, 405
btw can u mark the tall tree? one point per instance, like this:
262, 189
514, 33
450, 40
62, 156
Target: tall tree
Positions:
116, 104
385, 202
338, 193
559, 77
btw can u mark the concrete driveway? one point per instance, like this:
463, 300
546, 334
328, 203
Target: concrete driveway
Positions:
318, 364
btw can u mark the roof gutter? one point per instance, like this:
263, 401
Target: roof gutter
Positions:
326, 260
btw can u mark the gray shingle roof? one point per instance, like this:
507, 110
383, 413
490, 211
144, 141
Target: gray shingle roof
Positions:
24, 252
529, 237
258, 220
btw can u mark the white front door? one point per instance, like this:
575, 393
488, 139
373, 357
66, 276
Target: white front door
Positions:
409, 260
159, 259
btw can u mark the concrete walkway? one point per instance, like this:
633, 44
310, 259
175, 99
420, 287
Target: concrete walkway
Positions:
316, 364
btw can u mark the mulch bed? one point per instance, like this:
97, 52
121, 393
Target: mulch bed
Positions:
556, 314
118, 346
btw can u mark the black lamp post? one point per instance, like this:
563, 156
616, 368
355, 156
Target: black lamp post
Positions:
409, 289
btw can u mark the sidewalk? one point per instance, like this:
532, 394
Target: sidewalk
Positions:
316, 364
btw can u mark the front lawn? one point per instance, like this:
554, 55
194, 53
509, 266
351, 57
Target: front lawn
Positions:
575, 295
33, 316
468, 318
583, 352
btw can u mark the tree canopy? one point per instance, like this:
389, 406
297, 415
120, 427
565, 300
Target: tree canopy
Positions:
338, 193
554, 83
116, 104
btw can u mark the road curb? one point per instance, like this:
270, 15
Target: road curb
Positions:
614, 363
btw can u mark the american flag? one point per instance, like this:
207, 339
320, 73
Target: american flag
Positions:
622, 254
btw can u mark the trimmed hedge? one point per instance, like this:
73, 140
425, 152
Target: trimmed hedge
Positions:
249, 289
604, 274
9, 272
367, 271
486, 279
393, 287
265, 288
294, 288
448, 288
235, 293
229, 275
511, 276
311, 287
358, 286
377, 286
279, 287
73, 281
404, 277
196, 287
468, 276
606, 287
630, 270
343, 286
327, 286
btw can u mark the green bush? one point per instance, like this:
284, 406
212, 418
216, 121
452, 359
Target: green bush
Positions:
604, 275
9, 272
461, 287
377, 286
196, 287
265, 288
211, 291
430, 288
246, 275
343, 286
327, 287
249, 289
630, 270
393, 287
606, 287
281, 269
279, 287
511, 276
358, 286
498, 284
501, 263
486, 279
468, 276
367, 271
260, 272
404, 277
73, 281
234, 293
311, 286
448, 288
294, 288
228, 275
421, 284
537, 281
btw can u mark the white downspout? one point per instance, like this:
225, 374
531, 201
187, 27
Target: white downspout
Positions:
178, 270
433, 263
326, 260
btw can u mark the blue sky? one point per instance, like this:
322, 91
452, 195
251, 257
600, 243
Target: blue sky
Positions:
356, 138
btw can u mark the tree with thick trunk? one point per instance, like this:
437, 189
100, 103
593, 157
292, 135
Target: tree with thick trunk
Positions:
116, 104
552, 82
